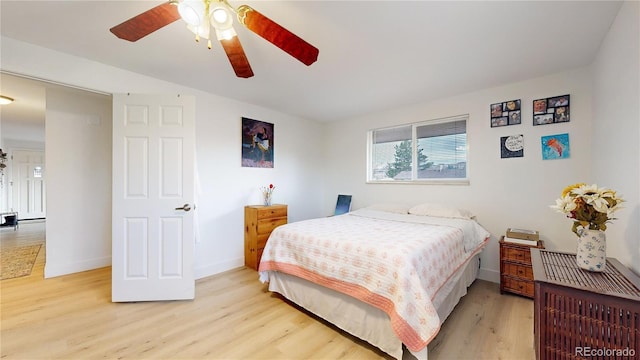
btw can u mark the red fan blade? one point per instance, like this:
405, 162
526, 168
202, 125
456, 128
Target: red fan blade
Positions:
149, 21
277, 35
237, 58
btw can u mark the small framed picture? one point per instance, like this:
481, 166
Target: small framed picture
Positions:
555, 147
512, 146
551, 110
505, 113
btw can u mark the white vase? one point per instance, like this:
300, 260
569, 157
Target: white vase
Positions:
592, 250
267, 200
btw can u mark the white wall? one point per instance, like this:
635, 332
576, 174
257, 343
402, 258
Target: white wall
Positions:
503, 193
616, 140
226, 186
78, 166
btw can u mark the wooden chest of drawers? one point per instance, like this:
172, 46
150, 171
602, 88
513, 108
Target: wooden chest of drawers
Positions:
516, 273
580, 314
259, 222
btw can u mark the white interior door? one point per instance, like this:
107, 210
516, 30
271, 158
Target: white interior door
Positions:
28, 184
153, 192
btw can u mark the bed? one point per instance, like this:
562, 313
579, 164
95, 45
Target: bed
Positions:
387, 275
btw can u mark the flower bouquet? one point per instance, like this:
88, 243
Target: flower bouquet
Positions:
591, 207
267, 191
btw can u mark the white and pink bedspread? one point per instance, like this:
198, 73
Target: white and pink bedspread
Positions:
394, 262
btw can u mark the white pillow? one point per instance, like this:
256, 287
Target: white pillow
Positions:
392, 208
428, 209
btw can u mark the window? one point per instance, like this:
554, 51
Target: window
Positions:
37, 172
433, 151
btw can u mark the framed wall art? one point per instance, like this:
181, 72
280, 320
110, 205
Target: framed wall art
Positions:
505, 113
512, 146
257, 143
555, 147
551, 110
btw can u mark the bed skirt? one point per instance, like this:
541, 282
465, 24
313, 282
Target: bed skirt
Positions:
365, 321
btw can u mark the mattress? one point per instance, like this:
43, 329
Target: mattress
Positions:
400, 265
363, 320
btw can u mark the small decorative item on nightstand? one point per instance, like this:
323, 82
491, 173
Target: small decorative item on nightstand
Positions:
267, 192
516, 274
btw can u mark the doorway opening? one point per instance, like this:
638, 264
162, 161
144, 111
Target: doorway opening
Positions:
61, 192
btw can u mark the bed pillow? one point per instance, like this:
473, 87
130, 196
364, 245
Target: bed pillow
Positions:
428, 209
392, 208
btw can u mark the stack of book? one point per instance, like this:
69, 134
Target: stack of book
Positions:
522, 236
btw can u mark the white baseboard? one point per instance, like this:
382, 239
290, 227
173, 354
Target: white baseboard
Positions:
216, 268
489, 275
51, 269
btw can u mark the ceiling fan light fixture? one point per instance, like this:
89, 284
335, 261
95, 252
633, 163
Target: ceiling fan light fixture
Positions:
192, 12
221, 17
202, 15
5, 100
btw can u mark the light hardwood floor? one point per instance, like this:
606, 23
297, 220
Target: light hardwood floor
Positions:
232, 317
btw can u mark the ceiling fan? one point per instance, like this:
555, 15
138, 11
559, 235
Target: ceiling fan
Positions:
203, 15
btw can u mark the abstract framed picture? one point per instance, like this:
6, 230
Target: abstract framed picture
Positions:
555, 147
551, 110
512, 146
257, 143
505, 113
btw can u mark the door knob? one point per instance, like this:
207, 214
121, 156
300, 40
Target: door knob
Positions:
184, 207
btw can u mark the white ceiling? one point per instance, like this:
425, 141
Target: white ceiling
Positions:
374, 55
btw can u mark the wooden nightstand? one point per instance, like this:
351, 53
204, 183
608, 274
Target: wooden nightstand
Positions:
516, 273
259, 222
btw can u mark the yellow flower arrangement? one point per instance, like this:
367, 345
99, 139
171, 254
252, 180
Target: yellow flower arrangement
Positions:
591, 207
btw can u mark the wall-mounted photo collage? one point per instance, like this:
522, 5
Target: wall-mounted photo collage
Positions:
551, 110
506, 113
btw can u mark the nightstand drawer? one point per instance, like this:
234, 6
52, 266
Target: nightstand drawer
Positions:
523, 287
261, 240
265, 226
520, 255
269, 212
521, 271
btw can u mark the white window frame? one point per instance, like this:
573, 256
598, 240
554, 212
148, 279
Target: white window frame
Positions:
414, 161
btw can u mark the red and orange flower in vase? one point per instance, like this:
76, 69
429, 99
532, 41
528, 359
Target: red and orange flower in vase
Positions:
267, 192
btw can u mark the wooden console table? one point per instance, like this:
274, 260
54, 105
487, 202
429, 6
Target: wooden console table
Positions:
580, 314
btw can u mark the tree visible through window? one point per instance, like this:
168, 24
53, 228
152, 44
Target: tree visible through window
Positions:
440, 151
404, 158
